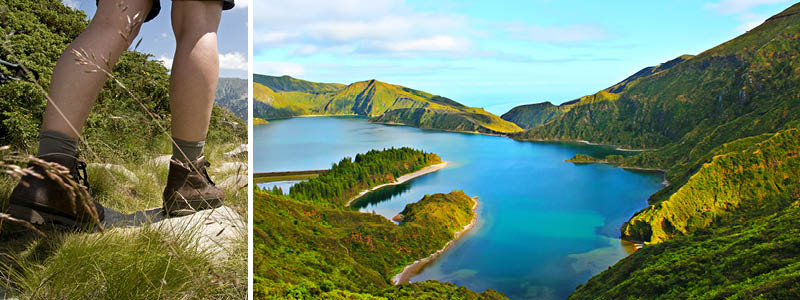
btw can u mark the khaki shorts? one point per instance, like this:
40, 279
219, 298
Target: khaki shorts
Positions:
226, 5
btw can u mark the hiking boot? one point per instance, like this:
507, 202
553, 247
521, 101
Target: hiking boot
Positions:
46, 201
190, 189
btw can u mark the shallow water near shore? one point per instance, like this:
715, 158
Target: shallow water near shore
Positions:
545, 226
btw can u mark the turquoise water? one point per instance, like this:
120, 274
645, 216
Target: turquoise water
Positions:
545, 226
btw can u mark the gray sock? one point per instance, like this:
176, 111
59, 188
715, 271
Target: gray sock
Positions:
51, 141
191, 150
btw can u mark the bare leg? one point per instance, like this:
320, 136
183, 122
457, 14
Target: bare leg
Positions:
195, 68
72, 88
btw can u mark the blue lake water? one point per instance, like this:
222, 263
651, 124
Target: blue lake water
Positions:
545, 226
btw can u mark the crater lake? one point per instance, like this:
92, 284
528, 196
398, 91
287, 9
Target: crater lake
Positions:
544, 225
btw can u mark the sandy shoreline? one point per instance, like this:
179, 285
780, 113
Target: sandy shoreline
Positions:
439, 129
415, 267
618, 148
316, 116
401, 179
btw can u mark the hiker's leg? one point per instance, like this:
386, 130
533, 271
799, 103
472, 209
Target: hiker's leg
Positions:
195, 69
75, 87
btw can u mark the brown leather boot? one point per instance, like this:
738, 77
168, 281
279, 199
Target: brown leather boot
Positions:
190, 189
45, 201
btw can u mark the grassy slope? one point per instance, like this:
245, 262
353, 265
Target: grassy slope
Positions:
308, 250
462, 121
742, 88
286, 96
532, 115
118, 132
754, 177
752, 259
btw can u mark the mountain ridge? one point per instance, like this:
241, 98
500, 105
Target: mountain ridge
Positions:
285, 97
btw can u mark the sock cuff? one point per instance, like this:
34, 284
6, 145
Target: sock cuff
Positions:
181, 143
185, 151
52, 134
51, 141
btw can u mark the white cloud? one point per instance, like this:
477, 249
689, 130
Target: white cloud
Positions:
277, 68
439, 43
750, 21
166, 61
557, 34
743, 9
227, 61
357, 27
232, 61
243, 4
74, 4
271, 38
729, 7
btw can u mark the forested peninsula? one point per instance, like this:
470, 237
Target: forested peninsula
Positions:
310, 244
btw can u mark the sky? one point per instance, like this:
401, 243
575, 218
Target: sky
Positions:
491, 54
158, 40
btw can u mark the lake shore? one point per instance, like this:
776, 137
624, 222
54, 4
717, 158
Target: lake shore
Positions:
439, 129
414, 268
401, 179
318, 115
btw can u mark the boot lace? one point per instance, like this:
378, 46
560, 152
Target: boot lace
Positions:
80, 174
205, 172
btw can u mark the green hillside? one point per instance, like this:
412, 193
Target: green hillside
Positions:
284, 97
747, 178
690, 110
532, 115
477, 120
308, 245
756, 258
741, 88
304, 250
289, 84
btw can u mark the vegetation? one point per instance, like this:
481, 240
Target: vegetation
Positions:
349, 177
754, 179
289, 84
690, 110
285, 97
119, 132
741, 88
308, 250
751, 259
144, 264
532, 115
468, 120
613, 159
320, 250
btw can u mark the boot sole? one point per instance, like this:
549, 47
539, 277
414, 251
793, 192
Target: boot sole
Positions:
40, 216
184, 208
37, 217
